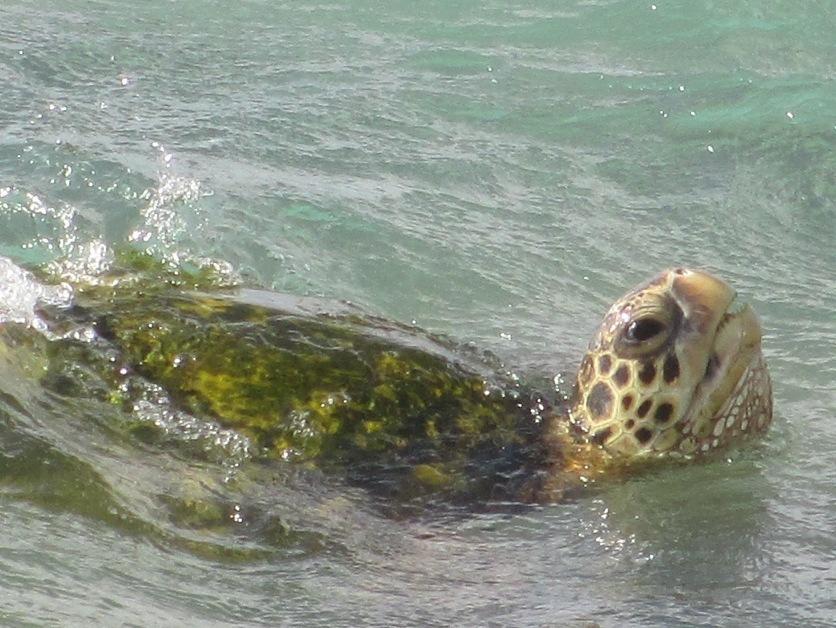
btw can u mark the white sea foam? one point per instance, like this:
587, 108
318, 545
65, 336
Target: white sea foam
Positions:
21, 294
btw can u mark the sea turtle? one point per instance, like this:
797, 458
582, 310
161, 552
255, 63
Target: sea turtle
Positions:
675, 370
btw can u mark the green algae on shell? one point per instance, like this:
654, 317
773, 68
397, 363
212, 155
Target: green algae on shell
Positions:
345, 392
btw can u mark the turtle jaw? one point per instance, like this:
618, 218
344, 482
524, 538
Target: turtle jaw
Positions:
737, 341
720, 340
734, 397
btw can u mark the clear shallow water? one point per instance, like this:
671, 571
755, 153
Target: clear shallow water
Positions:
498, 173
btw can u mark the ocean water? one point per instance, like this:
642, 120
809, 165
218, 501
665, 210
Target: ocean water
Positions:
497, 172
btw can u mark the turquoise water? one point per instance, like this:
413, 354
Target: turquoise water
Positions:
496, 172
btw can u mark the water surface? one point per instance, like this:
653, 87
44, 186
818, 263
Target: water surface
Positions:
497, 172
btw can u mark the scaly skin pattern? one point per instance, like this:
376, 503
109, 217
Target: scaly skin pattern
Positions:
672, 371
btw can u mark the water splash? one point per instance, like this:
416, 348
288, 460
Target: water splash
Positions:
51, 228
85, 262
162, 225
153, 405
21, 294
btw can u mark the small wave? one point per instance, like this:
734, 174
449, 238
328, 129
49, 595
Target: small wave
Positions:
21, 294
154, 407
162, 223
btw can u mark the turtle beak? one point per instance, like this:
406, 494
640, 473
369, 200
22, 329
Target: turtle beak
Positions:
704, 298
728, 332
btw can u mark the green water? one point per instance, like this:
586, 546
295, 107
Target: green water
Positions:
496, 172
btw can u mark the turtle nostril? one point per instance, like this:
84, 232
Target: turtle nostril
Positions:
680, 271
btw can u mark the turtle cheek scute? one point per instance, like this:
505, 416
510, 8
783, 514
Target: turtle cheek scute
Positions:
602, 436
621, 377
670, 369
600, 402
647, 373
664, 412
643, 435
604, 364
586, 372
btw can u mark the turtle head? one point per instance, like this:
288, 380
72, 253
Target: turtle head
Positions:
676, 366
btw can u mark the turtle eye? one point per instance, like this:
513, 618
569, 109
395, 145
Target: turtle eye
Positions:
644, 329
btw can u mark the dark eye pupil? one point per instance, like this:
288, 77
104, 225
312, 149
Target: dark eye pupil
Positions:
644, 329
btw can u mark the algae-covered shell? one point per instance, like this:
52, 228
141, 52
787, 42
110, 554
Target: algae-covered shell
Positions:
337, 390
